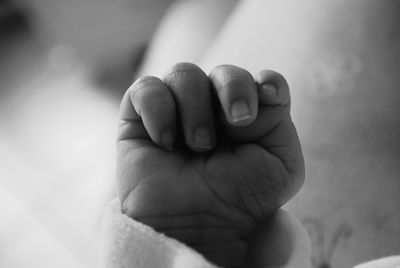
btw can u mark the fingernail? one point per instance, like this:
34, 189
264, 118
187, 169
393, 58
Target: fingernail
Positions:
269, 90
202, 137
167, 139
240, 111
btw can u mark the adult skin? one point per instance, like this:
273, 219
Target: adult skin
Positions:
342, 61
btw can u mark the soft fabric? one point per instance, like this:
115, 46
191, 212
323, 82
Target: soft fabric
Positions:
387, 262
127, 243
130, 244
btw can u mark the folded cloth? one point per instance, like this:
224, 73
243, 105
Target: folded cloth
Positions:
130, 244
386, 262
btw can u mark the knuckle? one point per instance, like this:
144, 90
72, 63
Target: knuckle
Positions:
187, 82
186, 69
145, 86
222, 74
225, 68
149, 94
146, 81
226, 76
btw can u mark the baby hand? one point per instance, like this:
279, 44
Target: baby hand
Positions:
206, 159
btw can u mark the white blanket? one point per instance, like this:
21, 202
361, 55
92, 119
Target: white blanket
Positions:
130, 244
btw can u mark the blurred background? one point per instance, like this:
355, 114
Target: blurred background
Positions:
64, 66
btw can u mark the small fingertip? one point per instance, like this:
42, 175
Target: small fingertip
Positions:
273, 88
269, 90
241, 113
203, 137
269, 94
167, 139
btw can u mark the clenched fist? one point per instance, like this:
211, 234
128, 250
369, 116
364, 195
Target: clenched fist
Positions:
207, 159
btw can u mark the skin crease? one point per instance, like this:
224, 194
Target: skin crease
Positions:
212, 199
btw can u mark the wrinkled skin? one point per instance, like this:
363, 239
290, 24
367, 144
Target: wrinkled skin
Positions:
212, 198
